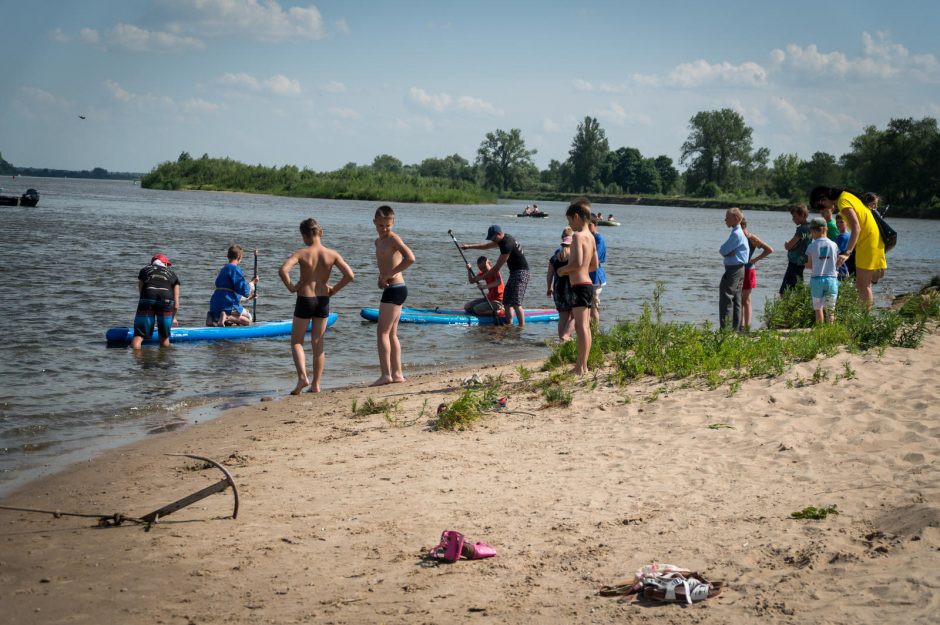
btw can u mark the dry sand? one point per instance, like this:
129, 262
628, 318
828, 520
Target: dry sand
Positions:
337, 510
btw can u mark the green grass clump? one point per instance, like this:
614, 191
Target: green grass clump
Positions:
814, 513
370, 406
557, 395
470, 406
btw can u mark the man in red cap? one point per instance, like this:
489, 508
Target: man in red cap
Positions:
159, 301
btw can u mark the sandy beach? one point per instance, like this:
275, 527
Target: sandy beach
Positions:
337, 511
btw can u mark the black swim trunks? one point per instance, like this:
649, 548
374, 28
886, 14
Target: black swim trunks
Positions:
395, 294
582, 295
312, 307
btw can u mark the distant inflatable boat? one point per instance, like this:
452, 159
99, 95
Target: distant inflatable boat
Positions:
444, 316
122, 336
607, 222
30, 198
535, 215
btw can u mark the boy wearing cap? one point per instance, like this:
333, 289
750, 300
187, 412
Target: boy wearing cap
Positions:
796, 248
511, 255
599, 278
159, 301
821, 258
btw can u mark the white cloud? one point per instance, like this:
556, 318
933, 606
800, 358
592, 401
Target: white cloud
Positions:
788, 110
41, 97
59, 36
437, 102
266, 21
334, 87
702, 72
881, 59
198, 104
604, 87
549, 125
477, 105
282, 85
130, 37
618, 115
241, 80
89, 36
344, 113
141, 102
341, 27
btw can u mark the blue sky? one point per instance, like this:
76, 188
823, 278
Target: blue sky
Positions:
319, 85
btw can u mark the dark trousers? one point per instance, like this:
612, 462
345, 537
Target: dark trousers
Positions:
729, 296
793, 275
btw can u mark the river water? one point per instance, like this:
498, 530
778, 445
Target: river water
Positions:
70, 267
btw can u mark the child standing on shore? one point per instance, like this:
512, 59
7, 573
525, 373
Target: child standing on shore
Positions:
796, 248
225, 305
821, 257
393, 257
313, 299
582, 260
559, 287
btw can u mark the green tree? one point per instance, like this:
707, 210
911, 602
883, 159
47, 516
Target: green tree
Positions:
899, 162
387, 163
588, 155
624, 168
454, 167
6, 168
505, 162
821, 169
668, 174
184, 157
785, 177
719, 145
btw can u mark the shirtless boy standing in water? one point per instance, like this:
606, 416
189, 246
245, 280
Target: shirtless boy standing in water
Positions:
582, 260
393, 257
313, 299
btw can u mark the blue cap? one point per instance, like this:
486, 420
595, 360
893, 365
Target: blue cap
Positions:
492, 232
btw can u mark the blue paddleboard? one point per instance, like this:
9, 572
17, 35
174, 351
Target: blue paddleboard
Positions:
203, 333
457, 317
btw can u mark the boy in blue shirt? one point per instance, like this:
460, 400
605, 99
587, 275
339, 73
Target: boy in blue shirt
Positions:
821, 257
796, 248
225, 307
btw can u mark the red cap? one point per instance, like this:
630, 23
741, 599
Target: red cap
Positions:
162, 258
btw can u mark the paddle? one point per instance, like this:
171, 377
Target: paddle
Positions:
254, 303
496, 317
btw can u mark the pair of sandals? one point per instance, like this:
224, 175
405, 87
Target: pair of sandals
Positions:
676, 585
453, 545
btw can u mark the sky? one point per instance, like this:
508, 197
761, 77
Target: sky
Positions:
325, 84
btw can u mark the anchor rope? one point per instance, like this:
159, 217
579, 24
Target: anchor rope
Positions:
103, 519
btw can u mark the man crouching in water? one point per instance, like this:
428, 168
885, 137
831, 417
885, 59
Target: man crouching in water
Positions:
582, 260
313, 299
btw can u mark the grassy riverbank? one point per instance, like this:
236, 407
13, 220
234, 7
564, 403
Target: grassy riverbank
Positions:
217, 174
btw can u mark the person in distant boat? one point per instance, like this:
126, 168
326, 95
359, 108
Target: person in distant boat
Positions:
313, 291
225, 305
393, 257
483, 306
511, 255
527, 211
159, 301
535, 209
610, 217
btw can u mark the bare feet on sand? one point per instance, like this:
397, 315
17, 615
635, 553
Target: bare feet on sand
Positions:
301, 384
578, 372
314, 388
398, 378
382, 381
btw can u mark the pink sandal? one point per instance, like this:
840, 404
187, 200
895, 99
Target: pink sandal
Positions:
478, 551
449, 548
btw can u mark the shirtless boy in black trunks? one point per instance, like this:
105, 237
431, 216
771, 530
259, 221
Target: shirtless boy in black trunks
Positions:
582, 261
393, 257
313, 299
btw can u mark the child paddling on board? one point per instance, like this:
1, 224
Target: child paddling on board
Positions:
393, 257
483, 306
511, 255
159, 301
313, 299
225, 306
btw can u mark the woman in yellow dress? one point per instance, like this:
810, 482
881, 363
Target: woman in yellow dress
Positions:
870, 263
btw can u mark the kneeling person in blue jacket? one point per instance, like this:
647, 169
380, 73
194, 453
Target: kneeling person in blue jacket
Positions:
225, 307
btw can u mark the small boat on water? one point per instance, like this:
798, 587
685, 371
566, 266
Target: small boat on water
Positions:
608, 222
535, 215
30, 198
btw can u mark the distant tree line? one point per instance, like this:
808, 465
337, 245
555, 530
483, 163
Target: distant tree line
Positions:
721, 163
97, 173
6, 169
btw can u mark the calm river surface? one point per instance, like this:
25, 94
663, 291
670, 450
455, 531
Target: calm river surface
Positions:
69, 268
